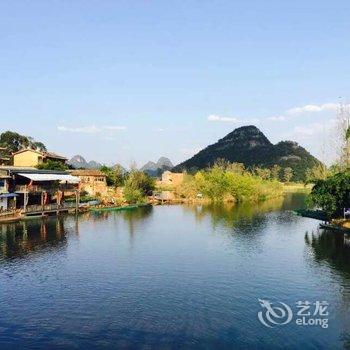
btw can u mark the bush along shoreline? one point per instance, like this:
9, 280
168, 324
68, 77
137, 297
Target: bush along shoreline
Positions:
229, 182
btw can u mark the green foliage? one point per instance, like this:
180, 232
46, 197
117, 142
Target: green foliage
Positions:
227, 181
318, 172
332, 194
287, 174
213, 183
263, 173
347, 134
275, 172
15, 142
115, 175
52, 165
138, 185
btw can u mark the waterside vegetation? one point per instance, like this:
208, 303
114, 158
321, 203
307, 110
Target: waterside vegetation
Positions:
230, 182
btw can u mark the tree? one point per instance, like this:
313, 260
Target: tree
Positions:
52, 165
318, 172
287, 174
138, 185
332, 194
275, 172
213, 182
263, 173
14, 142
115, 176
342, 138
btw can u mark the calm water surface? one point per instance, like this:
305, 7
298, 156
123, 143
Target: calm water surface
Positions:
171, 277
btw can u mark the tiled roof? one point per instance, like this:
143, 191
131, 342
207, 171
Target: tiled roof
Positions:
43, 154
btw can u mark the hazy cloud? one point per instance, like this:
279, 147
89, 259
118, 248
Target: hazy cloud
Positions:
279, 118
217, 118
92, 129
312, 108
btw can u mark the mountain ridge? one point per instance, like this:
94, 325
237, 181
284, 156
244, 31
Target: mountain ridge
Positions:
155, 169
248, 145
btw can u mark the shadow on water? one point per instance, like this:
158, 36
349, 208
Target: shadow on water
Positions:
332, 248
20, 239
243, 215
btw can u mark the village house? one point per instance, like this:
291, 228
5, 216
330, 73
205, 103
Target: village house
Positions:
6, 198
92, 181
33, 191
174, 179
32, 158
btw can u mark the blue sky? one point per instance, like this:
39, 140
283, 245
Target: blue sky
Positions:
124, 81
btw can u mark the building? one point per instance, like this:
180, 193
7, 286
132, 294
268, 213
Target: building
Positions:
174, 179
7, 200
32, 158
92, 181
33, 191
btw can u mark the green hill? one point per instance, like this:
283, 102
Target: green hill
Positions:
248, 145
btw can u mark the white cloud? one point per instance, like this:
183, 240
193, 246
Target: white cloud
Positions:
217, 118
312, 108
92, 129
279, 118
114, 128
315, 128
83, 129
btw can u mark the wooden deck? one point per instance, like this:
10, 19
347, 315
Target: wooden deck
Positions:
48, 208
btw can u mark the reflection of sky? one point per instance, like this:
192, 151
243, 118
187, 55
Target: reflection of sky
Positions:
168, 275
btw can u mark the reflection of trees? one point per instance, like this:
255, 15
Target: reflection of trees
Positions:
134, 216
131, 216
331, 247
20, 238
238, 215
294, 200
234, 215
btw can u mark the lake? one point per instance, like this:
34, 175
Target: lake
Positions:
175, 277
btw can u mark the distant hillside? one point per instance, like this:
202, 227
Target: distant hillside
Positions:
156, 169
248, 145
79, 162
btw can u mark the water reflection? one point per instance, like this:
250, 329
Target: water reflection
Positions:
183, 282
22, 238
238, 215
331, 247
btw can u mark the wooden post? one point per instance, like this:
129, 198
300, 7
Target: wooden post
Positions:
25, 196
77, 200
57, 201
42, 202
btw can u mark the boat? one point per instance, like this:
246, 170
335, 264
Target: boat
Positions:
32, 217
118, 208
335, 228
313, 214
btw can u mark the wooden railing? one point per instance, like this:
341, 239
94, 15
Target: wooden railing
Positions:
43, 188
48, 207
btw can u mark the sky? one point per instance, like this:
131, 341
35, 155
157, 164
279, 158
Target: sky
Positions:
130, 81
